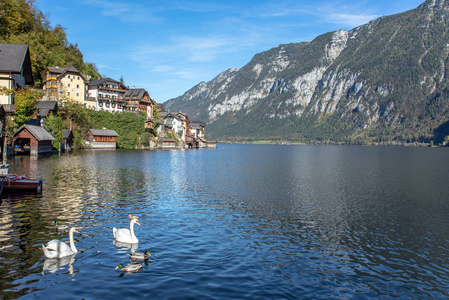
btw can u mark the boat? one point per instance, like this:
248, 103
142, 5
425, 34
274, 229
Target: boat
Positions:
18, 183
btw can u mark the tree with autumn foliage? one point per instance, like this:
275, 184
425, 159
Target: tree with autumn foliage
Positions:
22, 23
25, 101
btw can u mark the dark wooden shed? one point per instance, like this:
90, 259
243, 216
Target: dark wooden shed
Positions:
67, 140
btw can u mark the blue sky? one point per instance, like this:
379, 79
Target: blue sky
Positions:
167, 47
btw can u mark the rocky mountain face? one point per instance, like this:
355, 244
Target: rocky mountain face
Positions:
385, 81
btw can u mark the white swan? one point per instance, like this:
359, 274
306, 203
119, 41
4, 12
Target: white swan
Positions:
57, 248
126, 235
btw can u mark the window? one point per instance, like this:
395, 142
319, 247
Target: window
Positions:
77, 94
68, 76
77, 86
68, 93
68, 84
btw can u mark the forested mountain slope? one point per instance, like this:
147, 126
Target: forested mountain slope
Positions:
385, 81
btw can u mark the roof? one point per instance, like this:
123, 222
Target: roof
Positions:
56, 70
14, 58
196, 125
163, 114
37, 131
135, 94
69, 69
103, 80
45, 107
66, 133
46, 104
182, 116
9, 108
103, 132
167, 139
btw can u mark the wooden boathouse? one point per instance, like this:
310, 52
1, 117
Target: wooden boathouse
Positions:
166, 143
32, 140
101, 138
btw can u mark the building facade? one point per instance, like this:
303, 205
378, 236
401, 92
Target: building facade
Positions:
106, 94
139, 102
101, 138
15, 69
64, 84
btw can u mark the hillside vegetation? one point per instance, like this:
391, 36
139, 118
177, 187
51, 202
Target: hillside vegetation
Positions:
129, 126
22, 23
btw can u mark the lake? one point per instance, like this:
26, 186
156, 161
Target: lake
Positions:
236, 222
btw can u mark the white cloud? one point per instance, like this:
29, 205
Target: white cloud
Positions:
124, 11
350, 20
162, 68
331, 11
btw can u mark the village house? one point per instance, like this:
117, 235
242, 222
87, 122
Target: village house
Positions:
101, 138
139, 101
173, 123
106, 94
65, 84
149, 124
32, 140
15, 69
166, 143
185, 124
197, 129
178, 128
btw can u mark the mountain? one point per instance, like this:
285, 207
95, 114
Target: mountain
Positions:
382, 82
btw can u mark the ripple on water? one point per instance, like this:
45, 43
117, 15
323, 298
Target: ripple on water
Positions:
235, 222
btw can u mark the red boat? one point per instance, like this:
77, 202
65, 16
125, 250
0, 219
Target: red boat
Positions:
20, 183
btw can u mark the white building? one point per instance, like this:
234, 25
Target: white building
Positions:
106, 94
15, 69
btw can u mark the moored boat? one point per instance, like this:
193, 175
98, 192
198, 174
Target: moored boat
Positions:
18, 183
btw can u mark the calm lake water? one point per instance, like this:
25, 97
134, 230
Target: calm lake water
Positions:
236, 222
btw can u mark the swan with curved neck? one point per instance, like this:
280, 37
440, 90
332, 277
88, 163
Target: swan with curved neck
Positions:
127, 235
58, 249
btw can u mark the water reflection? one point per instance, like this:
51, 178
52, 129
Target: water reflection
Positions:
54, 264
235, 222
126, 247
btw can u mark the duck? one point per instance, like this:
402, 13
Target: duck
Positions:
132, 267
140, 256
60, 227
58, 249
127, 235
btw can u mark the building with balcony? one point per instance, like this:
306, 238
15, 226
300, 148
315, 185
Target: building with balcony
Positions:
106, 94
15, 69
139, 101
64, 84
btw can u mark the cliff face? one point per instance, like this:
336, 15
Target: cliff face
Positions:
380, 82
